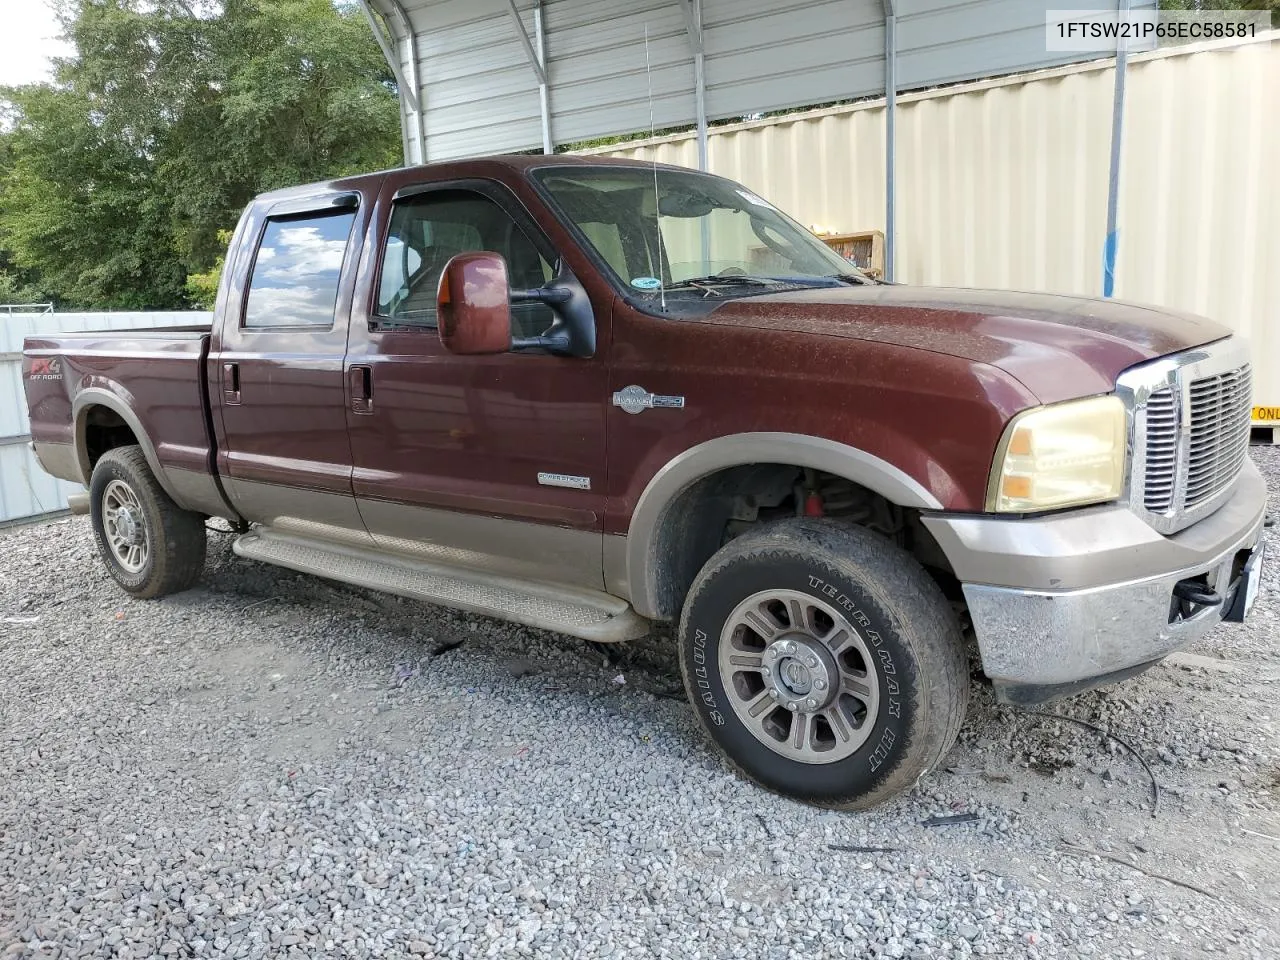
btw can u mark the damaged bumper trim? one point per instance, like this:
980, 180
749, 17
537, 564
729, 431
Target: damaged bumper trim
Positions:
1071, 601
1078, 639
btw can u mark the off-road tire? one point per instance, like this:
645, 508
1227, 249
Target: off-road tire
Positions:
922, 667
175, 537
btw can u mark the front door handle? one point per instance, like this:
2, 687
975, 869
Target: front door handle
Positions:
360, 378
231, 382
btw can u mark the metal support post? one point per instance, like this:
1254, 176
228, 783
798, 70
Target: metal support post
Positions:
890, 137
544, 98
1111, 242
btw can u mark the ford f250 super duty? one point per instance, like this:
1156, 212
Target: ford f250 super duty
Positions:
586, 395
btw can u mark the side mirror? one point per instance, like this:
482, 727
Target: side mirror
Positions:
473, 306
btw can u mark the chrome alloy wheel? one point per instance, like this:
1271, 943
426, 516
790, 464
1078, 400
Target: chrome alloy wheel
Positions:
125, 526
799, 676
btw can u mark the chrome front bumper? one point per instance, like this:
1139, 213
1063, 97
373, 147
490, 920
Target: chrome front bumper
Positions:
1090, 597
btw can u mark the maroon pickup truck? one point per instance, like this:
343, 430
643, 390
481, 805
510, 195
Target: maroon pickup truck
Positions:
586, 395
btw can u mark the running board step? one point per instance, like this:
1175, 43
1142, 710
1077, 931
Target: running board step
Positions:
579, 613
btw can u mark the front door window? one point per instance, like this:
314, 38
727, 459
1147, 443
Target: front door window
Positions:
427, 231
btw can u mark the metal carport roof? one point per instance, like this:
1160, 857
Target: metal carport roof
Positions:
488, 76
471, 68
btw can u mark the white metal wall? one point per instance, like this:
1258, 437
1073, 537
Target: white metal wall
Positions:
25, 489
1003, 183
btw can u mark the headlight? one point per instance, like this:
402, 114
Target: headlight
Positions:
1063, 455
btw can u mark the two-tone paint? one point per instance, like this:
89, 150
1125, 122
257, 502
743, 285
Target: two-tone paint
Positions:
903, 390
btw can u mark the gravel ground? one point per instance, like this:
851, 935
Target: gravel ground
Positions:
274, 766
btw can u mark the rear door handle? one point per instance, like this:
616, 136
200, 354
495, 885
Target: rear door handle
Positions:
360, 378
231, 382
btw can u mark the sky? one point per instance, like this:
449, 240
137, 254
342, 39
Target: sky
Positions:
28, 38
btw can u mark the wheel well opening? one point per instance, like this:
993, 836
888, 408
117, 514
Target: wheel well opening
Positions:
726, 504
104, 430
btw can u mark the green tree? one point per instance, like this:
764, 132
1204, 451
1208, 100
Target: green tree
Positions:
116, 178
202, 288
83, 210
18, 285
14, 290
1272, 5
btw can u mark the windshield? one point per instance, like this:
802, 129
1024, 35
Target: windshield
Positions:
709, 235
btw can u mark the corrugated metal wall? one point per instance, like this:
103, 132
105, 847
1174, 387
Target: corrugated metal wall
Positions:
25, 489
1003, 183
479, 93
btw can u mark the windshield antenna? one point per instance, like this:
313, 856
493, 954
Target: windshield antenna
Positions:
657, 223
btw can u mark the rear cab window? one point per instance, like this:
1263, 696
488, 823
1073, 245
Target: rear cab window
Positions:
296, 271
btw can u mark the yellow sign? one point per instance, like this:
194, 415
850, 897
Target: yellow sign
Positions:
1264, 414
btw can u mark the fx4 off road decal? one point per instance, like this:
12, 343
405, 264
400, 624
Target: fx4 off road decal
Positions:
45, 368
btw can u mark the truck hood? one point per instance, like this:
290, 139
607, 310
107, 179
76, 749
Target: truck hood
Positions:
1059, 347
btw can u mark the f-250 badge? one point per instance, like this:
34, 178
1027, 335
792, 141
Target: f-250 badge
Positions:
634, 399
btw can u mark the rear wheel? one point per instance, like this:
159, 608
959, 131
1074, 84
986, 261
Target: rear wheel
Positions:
824, 662
151, 546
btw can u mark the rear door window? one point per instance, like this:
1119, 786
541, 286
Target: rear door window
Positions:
296, 271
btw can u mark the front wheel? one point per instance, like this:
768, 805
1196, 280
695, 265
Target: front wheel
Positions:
824, 661
151, 546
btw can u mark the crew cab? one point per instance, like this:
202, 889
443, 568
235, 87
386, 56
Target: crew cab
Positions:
589, 395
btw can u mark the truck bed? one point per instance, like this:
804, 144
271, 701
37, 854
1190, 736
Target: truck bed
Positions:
150, 382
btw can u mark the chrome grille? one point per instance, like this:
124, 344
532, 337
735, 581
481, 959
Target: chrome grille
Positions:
1162, 451
1219, 432
1189, 417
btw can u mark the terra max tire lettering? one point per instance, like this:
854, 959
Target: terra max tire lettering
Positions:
824, 662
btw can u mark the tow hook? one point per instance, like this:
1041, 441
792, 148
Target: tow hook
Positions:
1193, 591
1189, 594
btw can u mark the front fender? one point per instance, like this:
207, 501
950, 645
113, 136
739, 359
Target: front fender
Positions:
741, 449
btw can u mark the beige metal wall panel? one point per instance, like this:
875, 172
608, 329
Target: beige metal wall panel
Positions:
1003, 183
1200, 212
1006, 186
